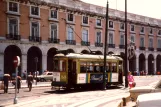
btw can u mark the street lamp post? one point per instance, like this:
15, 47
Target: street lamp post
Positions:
125, 68
105, 48
36, 60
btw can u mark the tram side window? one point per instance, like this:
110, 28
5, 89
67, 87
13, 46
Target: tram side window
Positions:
83, 67
114, 67
89, 67
97, 67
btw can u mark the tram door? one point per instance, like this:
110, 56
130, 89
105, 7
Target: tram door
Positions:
72, 72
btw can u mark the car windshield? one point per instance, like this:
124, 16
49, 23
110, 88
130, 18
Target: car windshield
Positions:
44, 73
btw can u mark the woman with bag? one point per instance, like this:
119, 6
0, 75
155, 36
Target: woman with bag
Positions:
130, 80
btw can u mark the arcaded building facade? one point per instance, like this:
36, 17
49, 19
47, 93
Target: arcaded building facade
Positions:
40, 28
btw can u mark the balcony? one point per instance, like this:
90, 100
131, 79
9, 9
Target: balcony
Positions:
122, 46
13, 37
98, 44
53, 40
111, 45
34, 39
84, 43
70, 42
151, 49
159, 49
142, 48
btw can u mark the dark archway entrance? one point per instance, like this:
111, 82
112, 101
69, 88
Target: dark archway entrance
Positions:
132, 64
109, 53
141, 62
85, 52
9, 53
150, 64
50, 56
158, 63
70, 51
98, 53
31, 64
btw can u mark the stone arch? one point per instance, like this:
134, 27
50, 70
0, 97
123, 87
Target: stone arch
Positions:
85, 52
9, 53
109, 53
150, 64
32, 53
50, 55
99, 53
142, 64
70, 51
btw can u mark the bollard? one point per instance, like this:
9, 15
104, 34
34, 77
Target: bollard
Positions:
124, 101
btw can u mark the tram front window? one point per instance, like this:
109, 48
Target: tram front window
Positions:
59, 65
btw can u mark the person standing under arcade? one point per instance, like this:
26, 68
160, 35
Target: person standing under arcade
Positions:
6, 82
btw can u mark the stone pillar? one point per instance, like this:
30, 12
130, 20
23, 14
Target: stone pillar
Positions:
127, 65
154, 66
146, 65
1, 65
137, 64
23, 63
44, 63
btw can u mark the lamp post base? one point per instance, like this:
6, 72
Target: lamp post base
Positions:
15, 100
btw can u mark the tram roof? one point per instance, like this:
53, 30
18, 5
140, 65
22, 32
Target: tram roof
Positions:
88, 56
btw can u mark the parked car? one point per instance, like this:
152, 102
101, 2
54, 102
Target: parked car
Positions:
149, 100
151, 88
46, 76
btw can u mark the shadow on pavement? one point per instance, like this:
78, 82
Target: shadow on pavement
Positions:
64, 91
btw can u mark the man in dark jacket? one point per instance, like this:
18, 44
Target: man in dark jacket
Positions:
6, 82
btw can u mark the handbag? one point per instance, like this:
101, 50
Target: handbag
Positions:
134, 84
1, 86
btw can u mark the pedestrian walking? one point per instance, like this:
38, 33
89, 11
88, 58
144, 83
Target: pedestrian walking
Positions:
18, 83
6, 78
130, 80
30, 81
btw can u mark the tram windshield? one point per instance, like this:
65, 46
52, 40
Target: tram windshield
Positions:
59, 65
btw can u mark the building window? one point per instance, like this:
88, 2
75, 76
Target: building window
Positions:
54, 14
132, 39
111, 24
70, 17
35, 29
98, 37
85, 35
110, 38
159, 43
141, 42
13, 7
13, 26
122, 26
150, 42
35, 10
70, 33
98, 22
85, 20
132, 28
142, 30
53, 32
159, 32
122, 39
150, 30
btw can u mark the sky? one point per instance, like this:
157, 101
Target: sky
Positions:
150, 8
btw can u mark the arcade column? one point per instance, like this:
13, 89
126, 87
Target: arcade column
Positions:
24, 63
1, 64
44, 62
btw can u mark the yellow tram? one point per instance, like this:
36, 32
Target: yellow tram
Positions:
84, 70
